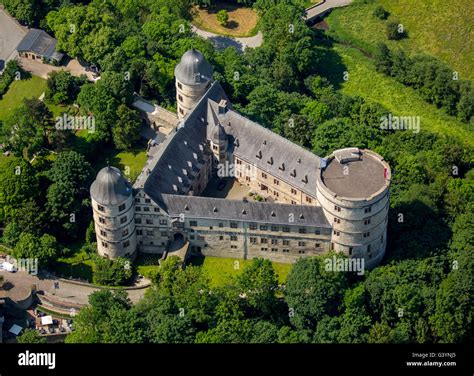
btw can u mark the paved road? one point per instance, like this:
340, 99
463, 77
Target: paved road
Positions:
11, 34
321, 8
78, 294
220, 41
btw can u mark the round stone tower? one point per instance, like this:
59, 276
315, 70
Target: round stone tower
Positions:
353, 190
114, 214
193, 76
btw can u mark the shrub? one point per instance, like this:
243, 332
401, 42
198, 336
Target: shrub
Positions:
111, 272
395, 31
222, 17
381, 13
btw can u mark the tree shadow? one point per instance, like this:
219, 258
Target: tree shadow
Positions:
415, 231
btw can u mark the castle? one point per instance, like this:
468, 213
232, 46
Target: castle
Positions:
306, 205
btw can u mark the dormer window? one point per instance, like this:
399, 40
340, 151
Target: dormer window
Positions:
293, 173
305, 179
259, 155
270, 161
282, 167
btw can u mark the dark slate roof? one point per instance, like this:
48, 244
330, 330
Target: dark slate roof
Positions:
251, 211
193, 69
181, 155
110, 187
39, 42
216, 132
269, 151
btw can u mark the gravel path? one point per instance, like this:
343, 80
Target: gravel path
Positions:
220, 41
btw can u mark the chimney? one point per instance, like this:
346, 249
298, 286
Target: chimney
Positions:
222, 107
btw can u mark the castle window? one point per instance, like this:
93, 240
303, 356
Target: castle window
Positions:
164, 234
285, 229
276, 182
263, 227
150, 232
274, 241
139, 232
309, 200
221, 224
274, 249
122, 207
126, 244
337, 220
368, 210
366, 234
368, 248
263, 249
138, 208
233, 225
146, 209
100, 208
367, 222
337, 208
180, 98
193, 223
302, 230
252, 226
181, 111
301, 244
156, 210
263, 241
101, 220
238, 161
318, 245
274, 228
163, 222
317, 232
138, 221
151, 243
125, 232
301, 252
233, 238
105, 245
350, 251
103, 233
221, 237
148, 201
337, 233
149, 221
264, 175
233, 246
179, 85
286, 242
137, 200
123, 220
253, 240
293, 191
285, 250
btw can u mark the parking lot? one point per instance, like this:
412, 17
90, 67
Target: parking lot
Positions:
11, 34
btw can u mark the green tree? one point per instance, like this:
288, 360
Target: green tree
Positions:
30, 336
44, 248
127, 129
312, 291
222, 17
111, 272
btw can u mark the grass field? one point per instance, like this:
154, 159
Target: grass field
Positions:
29, 88
222, 270
18, 90
242, 21
441, 28
79, 265
399, 99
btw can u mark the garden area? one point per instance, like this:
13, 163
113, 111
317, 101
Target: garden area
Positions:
221, 270
226, 19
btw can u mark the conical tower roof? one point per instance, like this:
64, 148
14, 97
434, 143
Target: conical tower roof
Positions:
110, 187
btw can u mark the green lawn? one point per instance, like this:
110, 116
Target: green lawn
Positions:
437, 27
18, 90
221, 270
78, 265
29, 88
399, 99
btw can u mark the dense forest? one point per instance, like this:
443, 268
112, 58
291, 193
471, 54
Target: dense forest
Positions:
423, 291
